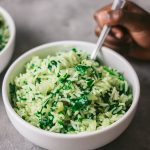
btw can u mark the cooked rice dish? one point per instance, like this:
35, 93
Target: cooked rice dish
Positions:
70, 93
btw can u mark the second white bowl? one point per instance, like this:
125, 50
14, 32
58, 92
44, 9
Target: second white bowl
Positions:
7, 51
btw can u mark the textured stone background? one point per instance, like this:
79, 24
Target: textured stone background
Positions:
42, 21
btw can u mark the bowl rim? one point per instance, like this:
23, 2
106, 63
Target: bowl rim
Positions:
11, 27
61, 135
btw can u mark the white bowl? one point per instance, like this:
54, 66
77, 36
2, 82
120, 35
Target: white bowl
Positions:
81, 141
7, 51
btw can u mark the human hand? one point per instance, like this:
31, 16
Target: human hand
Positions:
130, 32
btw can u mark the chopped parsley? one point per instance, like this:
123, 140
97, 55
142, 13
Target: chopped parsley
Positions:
4, 33
69, 93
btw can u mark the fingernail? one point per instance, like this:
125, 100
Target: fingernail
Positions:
118, 36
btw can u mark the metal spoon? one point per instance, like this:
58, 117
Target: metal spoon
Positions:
117, 4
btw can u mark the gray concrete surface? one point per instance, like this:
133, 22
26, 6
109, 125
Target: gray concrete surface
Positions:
42, 21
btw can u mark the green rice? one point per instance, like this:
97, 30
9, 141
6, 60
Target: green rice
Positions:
70, 93
4, 33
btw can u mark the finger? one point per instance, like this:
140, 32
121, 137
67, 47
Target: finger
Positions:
116, 32
123, 42
121, 47
106, 8
129, 6
140, 54
113, 47
131, 21
132, 7
97, 31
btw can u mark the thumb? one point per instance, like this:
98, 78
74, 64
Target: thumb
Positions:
134, 22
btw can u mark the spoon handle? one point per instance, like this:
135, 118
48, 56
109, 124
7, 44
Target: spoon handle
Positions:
117, 4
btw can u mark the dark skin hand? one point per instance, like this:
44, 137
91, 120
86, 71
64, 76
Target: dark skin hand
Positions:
130, 33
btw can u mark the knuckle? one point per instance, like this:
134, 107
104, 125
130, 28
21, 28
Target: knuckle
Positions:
119, 16
96, 14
